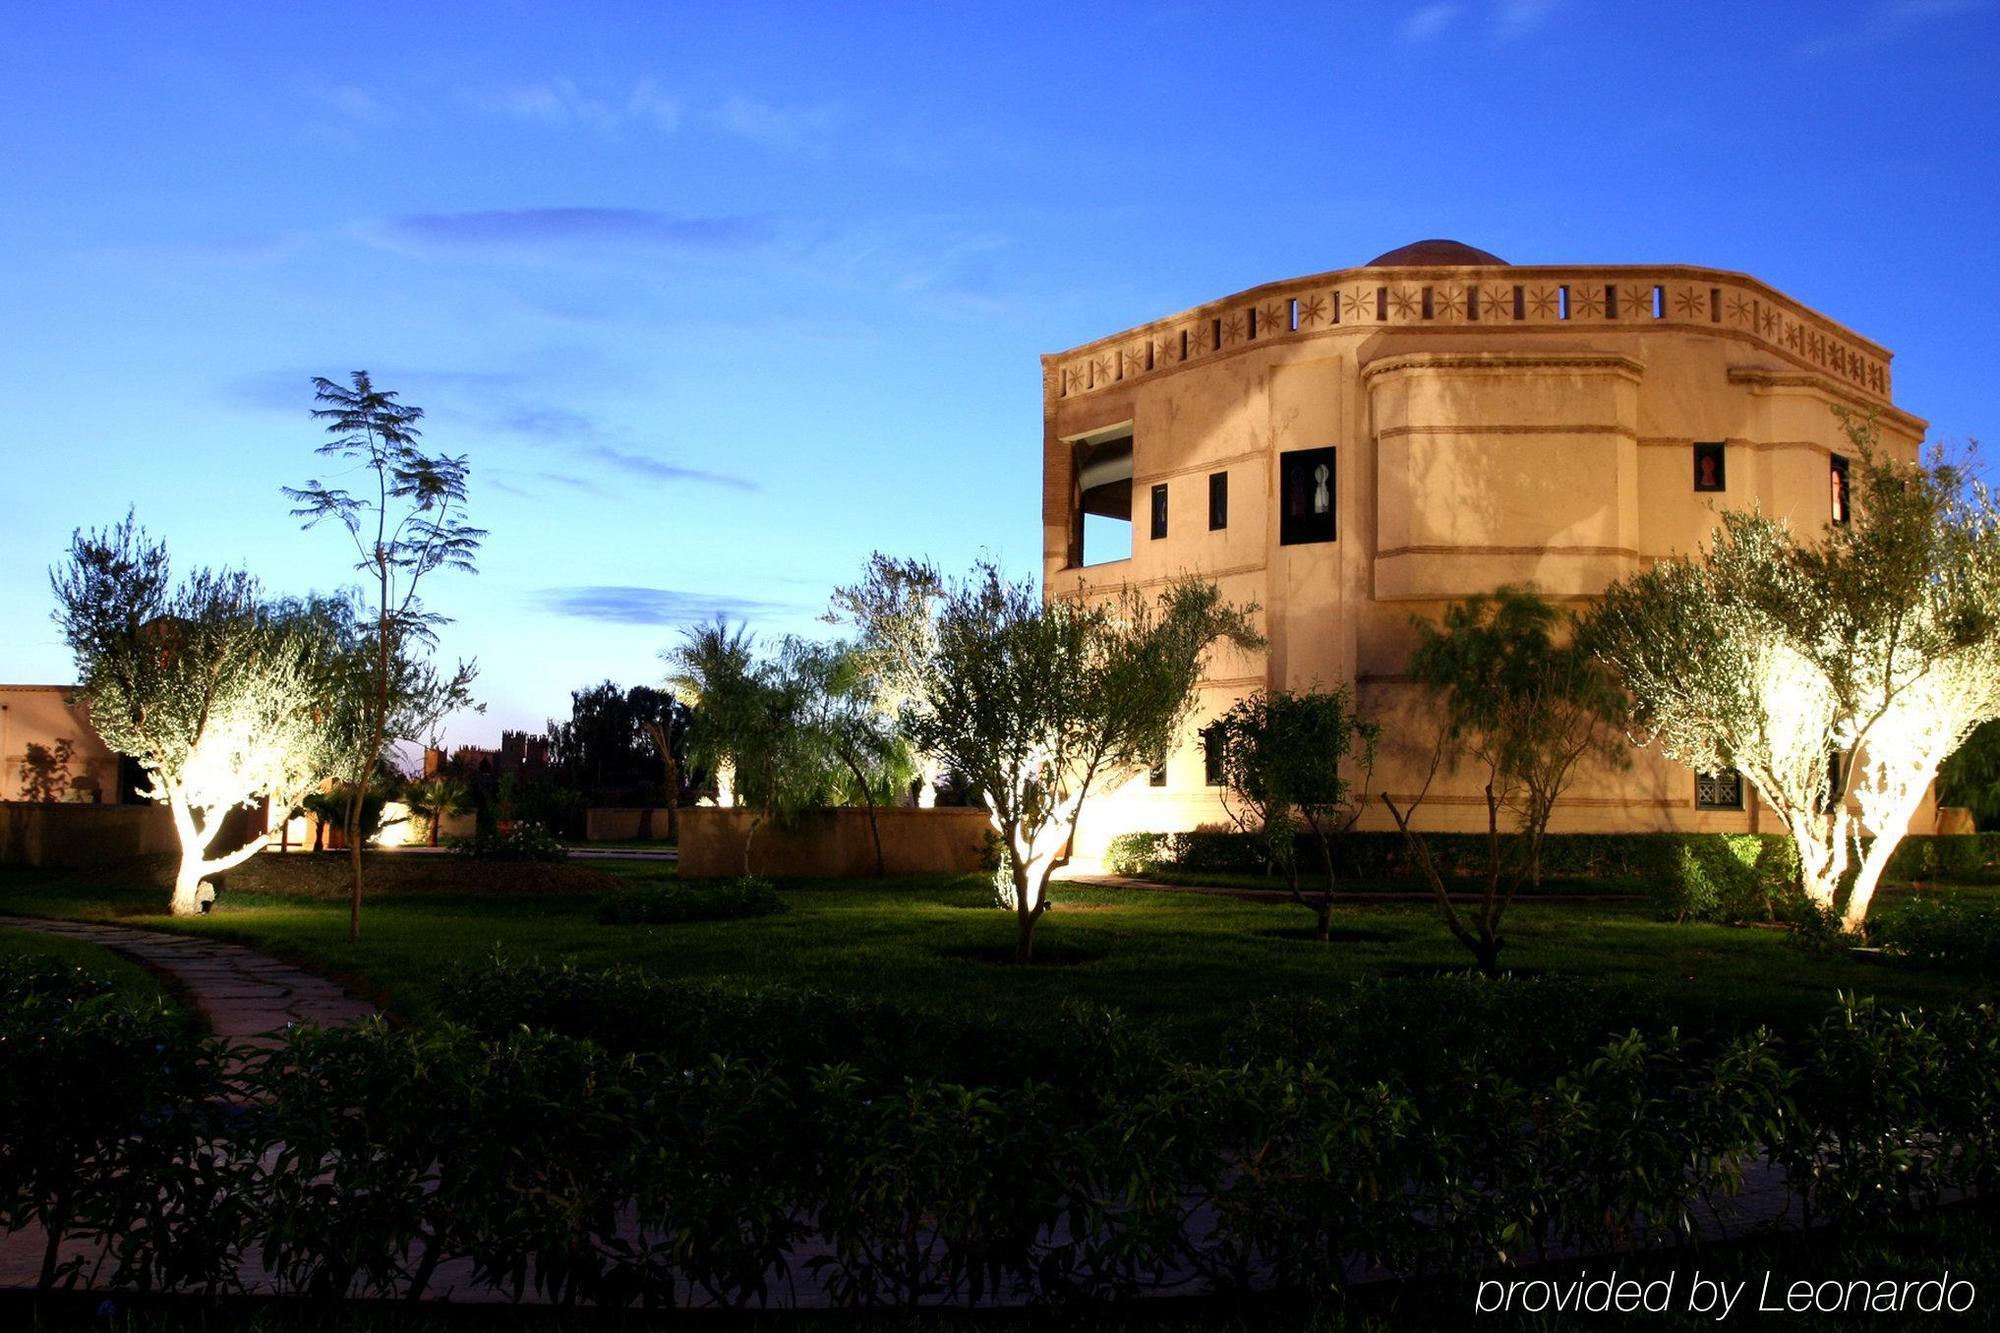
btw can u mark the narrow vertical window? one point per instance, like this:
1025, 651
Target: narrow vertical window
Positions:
1159, 511
1708, 468
1838, 496
1218, 500
1306, 486
1211, 755
1157, 775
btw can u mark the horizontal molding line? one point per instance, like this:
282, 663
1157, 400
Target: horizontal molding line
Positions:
1112, 589
1506, 550
1203, 469
1593, 802
1396, 432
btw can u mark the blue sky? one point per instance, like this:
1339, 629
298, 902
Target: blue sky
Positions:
720, 298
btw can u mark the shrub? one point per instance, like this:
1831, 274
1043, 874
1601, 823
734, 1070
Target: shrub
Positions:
1930, 932
522, 842
1139, 853
663, 904
1930, 857
1724, 877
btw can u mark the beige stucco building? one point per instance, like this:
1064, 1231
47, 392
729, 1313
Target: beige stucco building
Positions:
1351, 449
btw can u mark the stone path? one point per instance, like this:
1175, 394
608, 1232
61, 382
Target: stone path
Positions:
244, 994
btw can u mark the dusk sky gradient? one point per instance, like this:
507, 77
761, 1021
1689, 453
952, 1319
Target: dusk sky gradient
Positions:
720, 298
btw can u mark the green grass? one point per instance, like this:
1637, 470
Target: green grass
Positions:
132, 981
1183, 962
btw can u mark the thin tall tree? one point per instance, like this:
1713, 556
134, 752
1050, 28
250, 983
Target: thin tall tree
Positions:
407, 522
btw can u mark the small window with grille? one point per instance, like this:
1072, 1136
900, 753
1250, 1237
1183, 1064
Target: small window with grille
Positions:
1718, 791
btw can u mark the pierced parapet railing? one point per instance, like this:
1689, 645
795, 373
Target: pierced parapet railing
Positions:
1471, 298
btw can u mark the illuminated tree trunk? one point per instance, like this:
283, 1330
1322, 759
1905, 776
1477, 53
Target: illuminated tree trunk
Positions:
725, 784
196, 836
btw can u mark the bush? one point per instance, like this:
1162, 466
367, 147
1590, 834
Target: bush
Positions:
522, 842
1930, 932
661, 904
1724, 877
936, 1164
1925, 857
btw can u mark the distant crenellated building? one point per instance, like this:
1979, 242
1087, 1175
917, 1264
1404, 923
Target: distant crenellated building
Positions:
1355, 448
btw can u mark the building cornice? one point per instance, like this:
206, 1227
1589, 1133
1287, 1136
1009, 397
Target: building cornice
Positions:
1510, 360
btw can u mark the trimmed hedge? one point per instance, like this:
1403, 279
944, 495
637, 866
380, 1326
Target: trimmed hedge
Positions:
360, 1159
1689, 874
1927, 932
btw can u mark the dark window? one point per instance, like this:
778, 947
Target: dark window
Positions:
1708, 463
1211, 755
1836, 477
1158, 776
1836, 775
1218, 500
1159, 511
1718, 791
1306, 496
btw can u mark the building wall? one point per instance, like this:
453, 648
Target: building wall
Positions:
1541, 449
43, 715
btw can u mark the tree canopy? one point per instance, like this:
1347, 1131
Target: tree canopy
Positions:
1040, 704
1836, 670
221, 696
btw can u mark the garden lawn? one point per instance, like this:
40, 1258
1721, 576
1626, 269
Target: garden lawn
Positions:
1185, 963
132, 982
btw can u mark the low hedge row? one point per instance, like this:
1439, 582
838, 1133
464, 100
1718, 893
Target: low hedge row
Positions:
1691, 876
361, 1159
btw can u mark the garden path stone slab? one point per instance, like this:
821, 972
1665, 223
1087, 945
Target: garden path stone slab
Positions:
243, 994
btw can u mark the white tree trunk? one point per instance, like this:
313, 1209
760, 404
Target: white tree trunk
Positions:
725, 783
196, 837
927, 787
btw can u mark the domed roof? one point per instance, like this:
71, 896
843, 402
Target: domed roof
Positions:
1434, 254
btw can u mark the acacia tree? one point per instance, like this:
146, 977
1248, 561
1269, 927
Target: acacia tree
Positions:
1282, 754
411, 525
221, 697
1836, 674
1519, 696
1040, 704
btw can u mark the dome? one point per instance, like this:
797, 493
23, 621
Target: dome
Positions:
1434, 254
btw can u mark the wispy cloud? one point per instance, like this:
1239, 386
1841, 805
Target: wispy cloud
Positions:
621, 605
565, 102
1886, 22
659, 469
1518, 18
1427, 21
772, 125
534, 228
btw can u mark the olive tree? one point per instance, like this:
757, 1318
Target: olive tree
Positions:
220, 696
839, 703
1836, 670
1283, 754
1519, 698
1041, 704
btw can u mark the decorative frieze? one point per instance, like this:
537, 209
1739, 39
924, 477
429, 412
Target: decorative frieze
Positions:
1470, 298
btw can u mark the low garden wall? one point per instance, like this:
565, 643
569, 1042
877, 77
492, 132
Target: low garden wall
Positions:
34, 833
834, 843
625, 823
